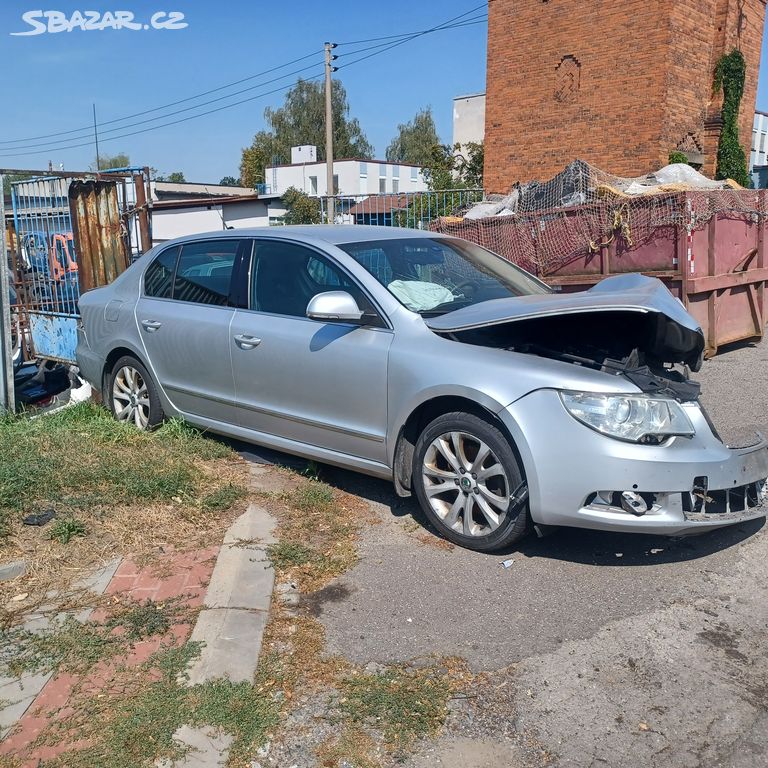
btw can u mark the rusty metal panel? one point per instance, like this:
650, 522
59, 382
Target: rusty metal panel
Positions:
96, 224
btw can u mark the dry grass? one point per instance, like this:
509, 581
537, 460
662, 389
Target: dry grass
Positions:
134, 493
318, 528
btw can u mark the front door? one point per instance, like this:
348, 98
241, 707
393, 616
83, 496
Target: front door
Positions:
184, 317
316, 383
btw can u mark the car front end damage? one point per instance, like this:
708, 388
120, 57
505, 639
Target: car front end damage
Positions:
578, 476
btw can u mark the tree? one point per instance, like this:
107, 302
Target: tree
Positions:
455, 167
415, 140
105, 162
302, 209
229, 181
177, 177
301, 120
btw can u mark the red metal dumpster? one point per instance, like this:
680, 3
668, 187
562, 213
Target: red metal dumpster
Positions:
708, 247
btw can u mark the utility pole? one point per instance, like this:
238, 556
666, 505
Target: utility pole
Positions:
96, 136
329, 68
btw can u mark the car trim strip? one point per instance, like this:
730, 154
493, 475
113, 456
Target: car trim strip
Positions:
275, 414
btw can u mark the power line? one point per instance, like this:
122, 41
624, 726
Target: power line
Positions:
410, 36
165, 106
54, 144
173, 122
423, 32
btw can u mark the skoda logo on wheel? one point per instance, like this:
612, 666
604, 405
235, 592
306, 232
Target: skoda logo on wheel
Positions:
466, 483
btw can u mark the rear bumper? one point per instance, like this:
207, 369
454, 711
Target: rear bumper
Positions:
91, 365
576, 476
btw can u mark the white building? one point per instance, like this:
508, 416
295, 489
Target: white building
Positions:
188, 208
759, 155
469, 119
352, 178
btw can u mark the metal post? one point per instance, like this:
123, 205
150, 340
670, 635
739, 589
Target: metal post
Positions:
329, 132
142, 207
7, 400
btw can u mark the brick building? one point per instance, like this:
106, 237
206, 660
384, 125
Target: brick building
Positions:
618, 84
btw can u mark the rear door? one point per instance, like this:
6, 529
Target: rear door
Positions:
184, 317
321, 384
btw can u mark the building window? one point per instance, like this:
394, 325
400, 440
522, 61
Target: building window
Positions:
414, 174
395, 186
395, 171
335, 183
363, 170
382, 186
382, 171
313, 185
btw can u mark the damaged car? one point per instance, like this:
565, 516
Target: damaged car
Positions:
432, 362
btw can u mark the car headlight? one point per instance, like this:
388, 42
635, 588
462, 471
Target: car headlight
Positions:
635, 418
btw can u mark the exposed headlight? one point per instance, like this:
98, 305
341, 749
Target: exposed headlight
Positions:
636, 418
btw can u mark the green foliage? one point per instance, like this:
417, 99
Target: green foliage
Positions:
301, 208
404, 704
177, 177
415, 141
65, 530
287, 554
301, 120
229, 181
222, 498
455, 167
730, 74
120, 160
675, 156
9, 178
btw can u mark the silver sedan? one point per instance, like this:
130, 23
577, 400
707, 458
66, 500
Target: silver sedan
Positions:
434, 363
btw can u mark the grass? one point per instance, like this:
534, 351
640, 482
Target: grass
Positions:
404, 704
114, 490
317, 530
82, 457
74, 646
65, 530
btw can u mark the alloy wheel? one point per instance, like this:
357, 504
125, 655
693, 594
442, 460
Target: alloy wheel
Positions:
466, 484
130, 398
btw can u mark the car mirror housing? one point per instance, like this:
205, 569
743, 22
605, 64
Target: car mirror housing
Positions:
334, 307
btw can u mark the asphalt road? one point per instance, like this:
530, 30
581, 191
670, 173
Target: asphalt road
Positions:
618, 649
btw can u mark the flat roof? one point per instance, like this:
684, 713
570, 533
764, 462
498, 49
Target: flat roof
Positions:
343, 160
469, 96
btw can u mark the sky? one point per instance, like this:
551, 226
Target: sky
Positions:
52, 80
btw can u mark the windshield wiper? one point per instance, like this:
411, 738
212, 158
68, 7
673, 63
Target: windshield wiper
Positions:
445, 307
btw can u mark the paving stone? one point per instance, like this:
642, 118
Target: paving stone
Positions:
98, 581
232, 640
13, 570
242, 578
209, 747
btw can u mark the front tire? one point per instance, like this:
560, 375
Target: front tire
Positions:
133, 396
470, 483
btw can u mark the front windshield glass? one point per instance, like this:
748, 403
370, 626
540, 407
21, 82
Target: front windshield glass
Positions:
433, 276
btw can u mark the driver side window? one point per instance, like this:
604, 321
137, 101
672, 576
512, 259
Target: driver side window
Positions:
286, 276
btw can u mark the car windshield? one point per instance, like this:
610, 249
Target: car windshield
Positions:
433, 276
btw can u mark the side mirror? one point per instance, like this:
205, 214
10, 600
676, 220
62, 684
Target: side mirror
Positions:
334, 307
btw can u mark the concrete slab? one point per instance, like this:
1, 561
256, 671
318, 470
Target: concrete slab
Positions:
242, 578
232, 639
254, 525
209, 747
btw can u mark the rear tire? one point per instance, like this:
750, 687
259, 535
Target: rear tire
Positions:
133, 396
470, 483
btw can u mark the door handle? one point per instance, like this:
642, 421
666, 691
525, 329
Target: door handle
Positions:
246, 342
150, 325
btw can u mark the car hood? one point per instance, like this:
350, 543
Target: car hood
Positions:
677, 337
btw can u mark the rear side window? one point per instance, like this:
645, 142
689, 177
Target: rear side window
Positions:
204, 271
158, 279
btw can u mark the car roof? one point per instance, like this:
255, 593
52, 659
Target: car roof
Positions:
335, 234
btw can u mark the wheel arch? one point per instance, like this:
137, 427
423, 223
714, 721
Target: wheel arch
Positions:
421, 416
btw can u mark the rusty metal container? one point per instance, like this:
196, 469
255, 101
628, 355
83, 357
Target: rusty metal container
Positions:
713, 260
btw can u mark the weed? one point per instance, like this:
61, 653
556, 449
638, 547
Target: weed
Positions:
311, 471
287, 554
222, 498
311, 496
403, 704
352, 747
66, 529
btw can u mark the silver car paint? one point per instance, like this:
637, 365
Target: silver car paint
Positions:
341, 393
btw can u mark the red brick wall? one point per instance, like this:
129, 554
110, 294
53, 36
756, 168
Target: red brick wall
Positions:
619, 84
